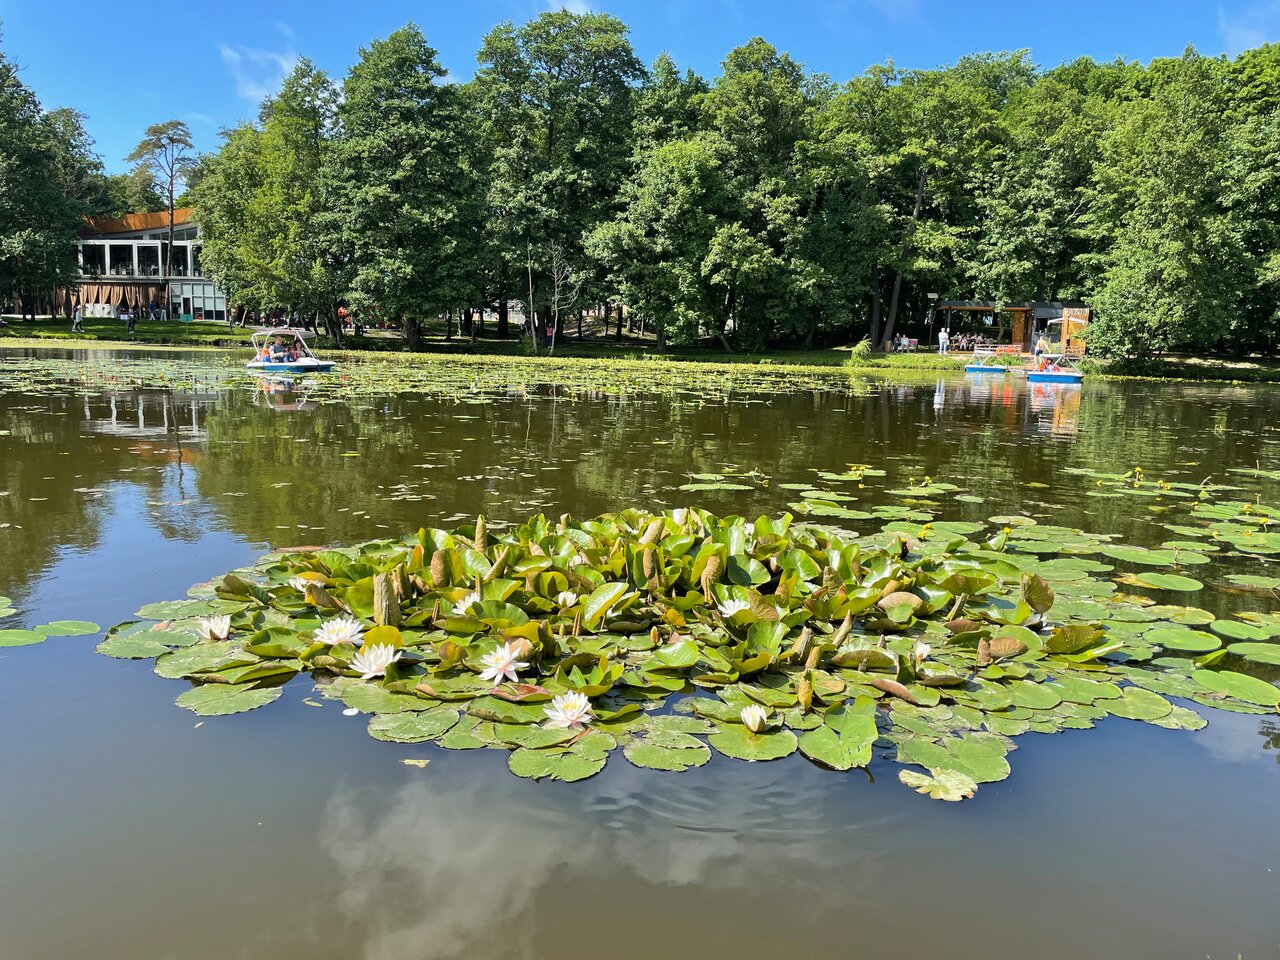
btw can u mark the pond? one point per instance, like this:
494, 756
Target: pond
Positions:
131, 828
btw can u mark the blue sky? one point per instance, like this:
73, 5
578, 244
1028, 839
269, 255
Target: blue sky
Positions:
128, 63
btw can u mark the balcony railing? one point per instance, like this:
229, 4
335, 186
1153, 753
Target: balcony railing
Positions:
144, 271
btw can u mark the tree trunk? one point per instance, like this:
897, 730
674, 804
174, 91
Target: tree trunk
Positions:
661, 330
448, 324
581, 311
412, 332
875, 315
897, 276
504, 321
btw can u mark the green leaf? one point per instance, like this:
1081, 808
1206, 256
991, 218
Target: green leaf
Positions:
553, 764
950, 785
600, 600
654, 756
1238, 685
1257, 652
220, 699
146, 645
412, 727
842, 749
1180, 638
20, 638
735, 740
68, 628
1136, 703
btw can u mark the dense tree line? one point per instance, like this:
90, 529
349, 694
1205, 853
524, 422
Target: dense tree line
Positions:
764, 206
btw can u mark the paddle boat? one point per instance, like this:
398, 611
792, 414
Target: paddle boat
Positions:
285, 351
986, 361
1055, 368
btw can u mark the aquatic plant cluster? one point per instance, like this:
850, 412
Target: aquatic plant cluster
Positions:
668, 636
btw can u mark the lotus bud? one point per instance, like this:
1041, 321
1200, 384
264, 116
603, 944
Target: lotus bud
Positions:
921, 651
439, 569
800, 649
649, 564
386, 605
653, 532
565, 520
754, 717
499, 565
482, 534
804, 692
655, 637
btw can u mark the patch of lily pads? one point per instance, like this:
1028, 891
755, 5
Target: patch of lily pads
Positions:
662, 639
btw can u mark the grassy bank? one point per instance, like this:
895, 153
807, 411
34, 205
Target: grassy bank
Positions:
169, 334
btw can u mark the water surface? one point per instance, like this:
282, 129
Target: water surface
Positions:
130, 829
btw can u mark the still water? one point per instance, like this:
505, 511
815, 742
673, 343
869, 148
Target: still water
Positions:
131, 830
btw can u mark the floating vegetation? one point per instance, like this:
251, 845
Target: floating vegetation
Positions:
668, 637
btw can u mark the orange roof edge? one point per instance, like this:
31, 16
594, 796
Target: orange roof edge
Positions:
131, 222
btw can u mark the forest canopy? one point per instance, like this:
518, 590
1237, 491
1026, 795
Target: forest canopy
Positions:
764, 206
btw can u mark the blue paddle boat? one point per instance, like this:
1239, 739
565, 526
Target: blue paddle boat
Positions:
985, 361
285, 351
1055, 368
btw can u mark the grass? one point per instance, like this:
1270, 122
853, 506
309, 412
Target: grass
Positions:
601, 345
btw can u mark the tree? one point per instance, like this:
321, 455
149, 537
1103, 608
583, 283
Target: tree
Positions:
166, 149
41, 173
398, 183
555, 100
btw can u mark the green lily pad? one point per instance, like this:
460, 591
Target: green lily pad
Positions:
412, 727
554, 764
1239, 685
1257, 652
655, 756
145, 645
69, 628
1180, 638
20, 638
735, 740
1138, 704
950, 785
220, 699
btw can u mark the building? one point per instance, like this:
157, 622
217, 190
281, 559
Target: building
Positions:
1061, 323
122, 263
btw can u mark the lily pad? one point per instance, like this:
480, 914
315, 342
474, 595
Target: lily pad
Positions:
220, 699
950, 785
412, 727
20, 638
69, 628
735, 740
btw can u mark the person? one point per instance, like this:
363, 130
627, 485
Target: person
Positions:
132, 321
944, 341
77, 321
1042, 346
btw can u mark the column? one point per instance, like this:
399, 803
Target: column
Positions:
133, 252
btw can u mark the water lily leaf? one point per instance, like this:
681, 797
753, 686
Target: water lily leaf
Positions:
414, 727
220, 699
1238, 685
554, 764
1181, 638
1257, 652
20, 638
1180, 718
600, 600
146, 645
1036, 592
1233, 629
1135, 703
950, 785
842, 749
201, 657
68, 628
1142, 555
1164, 581
655, 756
371, 698
174, 609
735, 740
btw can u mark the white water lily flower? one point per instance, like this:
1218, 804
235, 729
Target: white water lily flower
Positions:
922, 651
569, 711
467, 602
576, 560
372, 661
730, 607
754, 717
215, 628
300, 584
502, 663
339, 630
566, 598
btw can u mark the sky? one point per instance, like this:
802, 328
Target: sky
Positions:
129, 63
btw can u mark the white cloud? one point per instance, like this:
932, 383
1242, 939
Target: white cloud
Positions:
1250, 27
258, 73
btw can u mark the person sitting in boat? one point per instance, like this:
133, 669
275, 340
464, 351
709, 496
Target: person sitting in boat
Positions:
278, 350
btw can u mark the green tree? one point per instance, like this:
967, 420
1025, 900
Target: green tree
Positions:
555, 100
167, 151
398, 182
